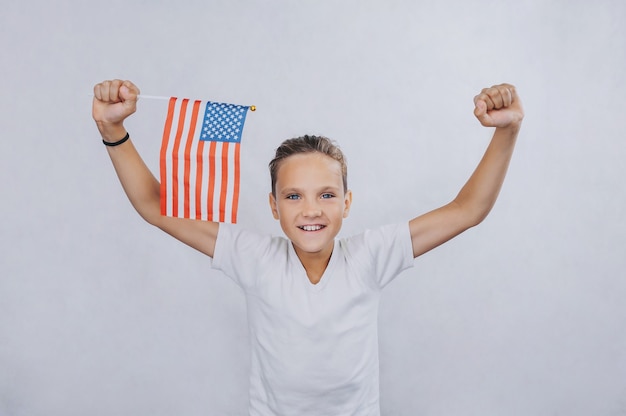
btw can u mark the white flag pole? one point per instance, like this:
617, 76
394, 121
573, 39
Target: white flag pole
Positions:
161, 97
153, 97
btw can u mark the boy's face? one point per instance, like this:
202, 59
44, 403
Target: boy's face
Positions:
310, 202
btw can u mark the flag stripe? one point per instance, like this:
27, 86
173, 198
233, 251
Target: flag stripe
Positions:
236, 184
210, 209
188, 157
176, 161
163, 158
224, 184
199, 170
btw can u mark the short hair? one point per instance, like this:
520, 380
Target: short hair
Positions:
308, 144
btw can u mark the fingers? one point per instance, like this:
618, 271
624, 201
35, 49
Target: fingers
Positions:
128, 91
499, 106
115, 91
108, 91
114, 100
480, 109
496, 97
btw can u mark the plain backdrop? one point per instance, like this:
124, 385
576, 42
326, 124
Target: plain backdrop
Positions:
101, 314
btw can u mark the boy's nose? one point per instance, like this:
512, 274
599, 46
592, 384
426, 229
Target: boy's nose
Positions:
312, 210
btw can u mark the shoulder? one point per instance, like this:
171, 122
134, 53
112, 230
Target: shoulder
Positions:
243, 254
380, 253
236, 240
378, 237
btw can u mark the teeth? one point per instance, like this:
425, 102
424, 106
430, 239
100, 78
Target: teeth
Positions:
311, 227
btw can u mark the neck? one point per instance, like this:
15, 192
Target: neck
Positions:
315, 263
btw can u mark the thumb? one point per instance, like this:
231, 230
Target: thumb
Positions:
128, 91
480, 111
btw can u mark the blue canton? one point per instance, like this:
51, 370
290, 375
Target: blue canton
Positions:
223, 122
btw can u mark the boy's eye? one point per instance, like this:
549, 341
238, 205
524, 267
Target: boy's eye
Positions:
327, 195
293, 196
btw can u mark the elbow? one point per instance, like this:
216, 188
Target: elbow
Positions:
481, 213
150, 213
153, 218
474, 214
149, 208
477, 218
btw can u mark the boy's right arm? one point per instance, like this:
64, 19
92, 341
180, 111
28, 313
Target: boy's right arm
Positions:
113, 102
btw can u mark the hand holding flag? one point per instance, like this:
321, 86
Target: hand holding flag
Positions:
113, 101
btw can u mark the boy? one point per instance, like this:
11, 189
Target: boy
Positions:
313, 299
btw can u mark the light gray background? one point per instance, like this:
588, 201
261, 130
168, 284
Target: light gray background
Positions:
100, 314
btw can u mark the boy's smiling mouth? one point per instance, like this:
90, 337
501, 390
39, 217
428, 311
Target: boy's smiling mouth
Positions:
315, 227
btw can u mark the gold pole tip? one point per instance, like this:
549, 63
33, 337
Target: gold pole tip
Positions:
253, 108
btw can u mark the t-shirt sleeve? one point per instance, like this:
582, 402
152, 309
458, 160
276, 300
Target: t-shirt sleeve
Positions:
239, 253
390, 250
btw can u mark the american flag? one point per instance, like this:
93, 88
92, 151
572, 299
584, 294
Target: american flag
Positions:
200, 160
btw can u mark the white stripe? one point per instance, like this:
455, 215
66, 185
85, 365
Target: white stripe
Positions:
169, 159
217, 181
192, 171
181, 159
205, 181
231, 182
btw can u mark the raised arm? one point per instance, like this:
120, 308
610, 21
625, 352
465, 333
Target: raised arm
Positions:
113, 102
499, 107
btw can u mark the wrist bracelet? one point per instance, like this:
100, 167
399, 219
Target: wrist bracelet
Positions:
117, 143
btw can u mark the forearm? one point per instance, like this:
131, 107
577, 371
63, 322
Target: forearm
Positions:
140, 185
479, 194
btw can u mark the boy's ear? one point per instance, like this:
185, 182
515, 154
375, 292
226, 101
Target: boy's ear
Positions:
273, 206
347, 203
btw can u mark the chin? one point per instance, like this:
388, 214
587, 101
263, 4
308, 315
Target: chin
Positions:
313, 249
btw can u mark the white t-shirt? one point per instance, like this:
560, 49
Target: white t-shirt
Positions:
314, 347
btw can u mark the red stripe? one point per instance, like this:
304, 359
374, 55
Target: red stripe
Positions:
199, 162
179, 133
236, 184
163, 157
211, 181
188, 156
223, 188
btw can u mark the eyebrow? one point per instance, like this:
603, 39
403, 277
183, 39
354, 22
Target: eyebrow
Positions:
321, 189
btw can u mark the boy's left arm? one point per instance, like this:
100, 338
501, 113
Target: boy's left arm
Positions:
499, 107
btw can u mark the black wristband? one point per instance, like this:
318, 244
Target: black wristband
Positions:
117, 143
